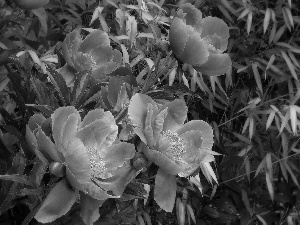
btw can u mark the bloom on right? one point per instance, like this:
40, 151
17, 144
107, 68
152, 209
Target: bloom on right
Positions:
199, 41
174, 146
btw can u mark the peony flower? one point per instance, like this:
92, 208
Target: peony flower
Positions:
175, 147
96, 162
94, 54
200, 41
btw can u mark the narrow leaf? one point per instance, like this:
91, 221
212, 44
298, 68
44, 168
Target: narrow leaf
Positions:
270, 186
289, 64
249, 21
246, 201
267, 19
260, 166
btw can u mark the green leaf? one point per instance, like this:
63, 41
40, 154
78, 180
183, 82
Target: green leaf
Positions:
165, 190
60, 86
57, 203
23, 179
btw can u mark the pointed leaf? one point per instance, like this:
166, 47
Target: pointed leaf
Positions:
270, 185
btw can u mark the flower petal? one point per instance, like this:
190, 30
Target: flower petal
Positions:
101, 72
192, 156
195, 51
47, 147
176, 114
117, 183
69, 129
77, 160
205, 128
162, 161
99, 133
214, 25
178, 36
96, 192
70, 46
158, 123
217, 64
102, 54
137, 112
94, 115
94, 39
84, 61
193, 16
187, 44
57, 203
115, 156
59, 117
35, 121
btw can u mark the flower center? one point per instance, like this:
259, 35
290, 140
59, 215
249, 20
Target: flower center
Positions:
97, 163
177, 146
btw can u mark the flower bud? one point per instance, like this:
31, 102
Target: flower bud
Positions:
57, 169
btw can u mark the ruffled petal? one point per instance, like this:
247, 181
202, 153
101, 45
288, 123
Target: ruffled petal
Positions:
137, 112
47, 147
187, 44
78, 161
102, 54
83, 62
70, 46
94, 115
205, 128
93, 40
217, 64
117, 57
98, 134
176, 114
162, 161
116, 184
214, 25
178, 36
193, 16
69, 129
114, 157
195, 51
95, 191
100, 73
192, 141
59, 118
35, 121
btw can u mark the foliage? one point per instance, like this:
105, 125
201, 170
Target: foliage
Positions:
149, 112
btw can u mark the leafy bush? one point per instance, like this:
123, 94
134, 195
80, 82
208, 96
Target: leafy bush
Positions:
149, 112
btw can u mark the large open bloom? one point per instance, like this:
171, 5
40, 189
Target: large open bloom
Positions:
175, 147
94, 53
96, 162
200, 41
